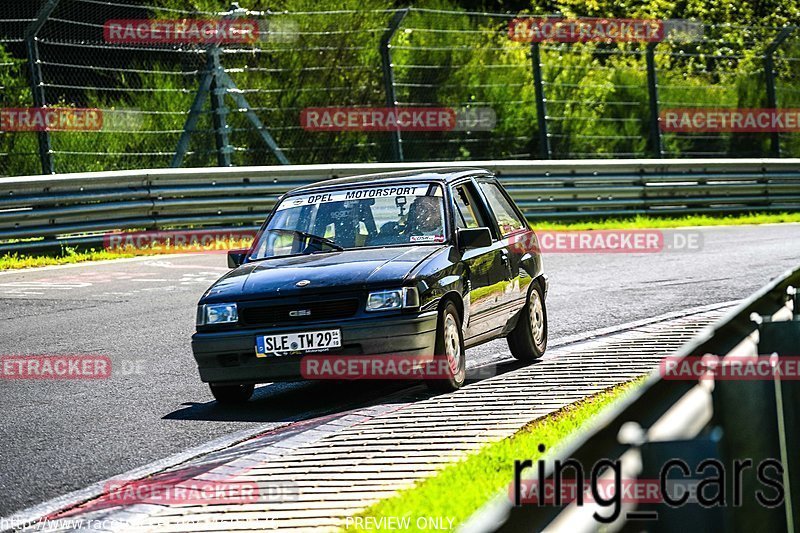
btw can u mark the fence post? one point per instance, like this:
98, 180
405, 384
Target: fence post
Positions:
37, 83
541, 109
244, 106
190, 125
769, 74
216, 83
388, 76
219, 111
652, 91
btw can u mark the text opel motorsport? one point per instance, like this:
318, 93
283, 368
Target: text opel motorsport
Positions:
418, 264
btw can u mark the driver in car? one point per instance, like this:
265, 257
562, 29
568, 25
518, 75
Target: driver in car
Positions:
425, 219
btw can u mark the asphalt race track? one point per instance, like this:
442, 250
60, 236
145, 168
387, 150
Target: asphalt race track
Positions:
59, 436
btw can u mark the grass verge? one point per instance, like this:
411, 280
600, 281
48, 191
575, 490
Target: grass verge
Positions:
647, 222
65, 257
460, 489
69, 255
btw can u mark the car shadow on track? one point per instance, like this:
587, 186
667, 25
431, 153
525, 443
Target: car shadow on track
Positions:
286, 402
295, 401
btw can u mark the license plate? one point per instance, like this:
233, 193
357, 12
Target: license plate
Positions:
307, 341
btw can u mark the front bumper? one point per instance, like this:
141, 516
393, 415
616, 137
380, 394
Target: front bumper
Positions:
230, 356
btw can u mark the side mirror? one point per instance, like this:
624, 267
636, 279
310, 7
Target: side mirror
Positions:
236, 257
474, 238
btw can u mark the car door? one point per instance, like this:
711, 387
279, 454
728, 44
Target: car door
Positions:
510, 224
487, 272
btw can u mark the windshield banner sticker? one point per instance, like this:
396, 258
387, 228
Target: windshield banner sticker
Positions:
354, 194
426, 238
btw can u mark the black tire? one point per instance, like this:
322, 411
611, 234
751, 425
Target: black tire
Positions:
528, 343
449, 355
231, 394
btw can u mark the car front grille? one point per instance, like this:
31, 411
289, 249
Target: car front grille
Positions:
298, 313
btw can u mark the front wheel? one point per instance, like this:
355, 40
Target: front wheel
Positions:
231, 394
528, 340
450, 362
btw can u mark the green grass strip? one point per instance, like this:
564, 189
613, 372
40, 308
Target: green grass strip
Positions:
68, 255
460, 489
649, 222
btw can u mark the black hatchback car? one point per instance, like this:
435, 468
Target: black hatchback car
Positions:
419, 264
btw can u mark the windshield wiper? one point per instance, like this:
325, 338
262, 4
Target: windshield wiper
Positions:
311, 237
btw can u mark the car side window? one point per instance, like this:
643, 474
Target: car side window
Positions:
467, 213
507, 219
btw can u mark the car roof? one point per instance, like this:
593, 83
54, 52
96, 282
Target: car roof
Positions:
442, 175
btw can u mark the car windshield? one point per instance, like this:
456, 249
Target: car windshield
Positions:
355, 217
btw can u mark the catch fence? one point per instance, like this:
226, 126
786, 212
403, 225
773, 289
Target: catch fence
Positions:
167, 102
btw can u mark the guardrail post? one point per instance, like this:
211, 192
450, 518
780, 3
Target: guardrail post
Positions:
692, 452
388, 77
769, 74
782, 337
37, 83
750, 431
541, 109
652, 91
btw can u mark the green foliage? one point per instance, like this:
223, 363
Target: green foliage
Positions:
443, 55
135, 133
18, 151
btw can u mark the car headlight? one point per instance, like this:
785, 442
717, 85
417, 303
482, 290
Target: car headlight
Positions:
217, 314
393, 299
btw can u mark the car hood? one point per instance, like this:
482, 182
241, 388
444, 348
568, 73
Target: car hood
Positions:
335, 270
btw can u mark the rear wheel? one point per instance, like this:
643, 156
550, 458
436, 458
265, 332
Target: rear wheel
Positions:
450, 366
528, 339
231, 394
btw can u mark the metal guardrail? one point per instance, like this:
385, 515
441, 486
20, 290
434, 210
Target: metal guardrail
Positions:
75, 208
692, 421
